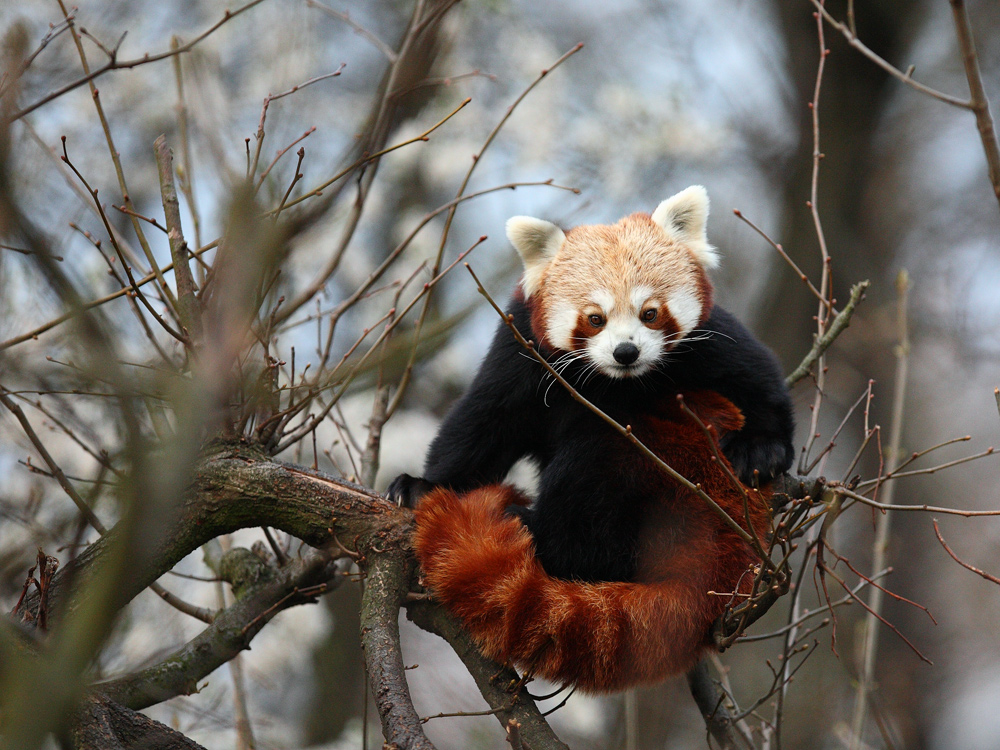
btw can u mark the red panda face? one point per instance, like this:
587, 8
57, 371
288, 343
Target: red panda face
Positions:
620, 295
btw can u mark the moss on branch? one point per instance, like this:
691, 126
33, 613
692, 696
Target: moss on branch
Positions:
230, 633
236, 486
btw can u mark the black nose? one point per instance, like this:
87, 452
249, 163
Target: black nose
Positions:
626, 353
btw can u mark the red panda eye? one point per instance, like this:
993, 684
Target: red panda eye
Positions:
597, 320
648, 316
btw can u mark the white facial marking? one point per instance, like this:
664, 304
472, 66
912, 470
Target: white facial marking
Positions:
685, 306
639, 295
562, 320
604, 300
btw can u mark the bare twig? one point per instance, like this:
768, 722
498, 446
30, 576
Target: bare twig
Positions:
36, 332
169, 299
881, 545
822, 343
187, 303
252, 168
114, 64
385, 49
967, 566
830, 572
787, 258
57, 472
978, 103
931, 470
887, 67
187, 174
915, 508
408, 371
199, 613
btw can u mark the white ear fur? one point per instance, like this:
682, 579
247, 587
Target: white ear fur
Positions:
683, 217
537, 242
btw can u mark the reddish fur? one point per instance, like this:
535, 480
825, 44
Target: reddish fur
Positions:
602, 637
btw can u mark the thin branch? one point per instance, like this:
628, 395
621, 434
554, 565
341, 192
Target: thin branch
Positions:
829, 571
967, 566
186, 289
187, 177
887, 67
931, 470
979, 104
169, 299
114, 64
252, 169
133, 287
880, 549
476, 158
22, 251
822, 343
57, 472
781, 251
385, 49
919, 508
199, 613
36, 332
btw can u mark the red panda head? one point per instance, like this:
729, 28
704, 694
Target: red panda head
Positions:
624, 294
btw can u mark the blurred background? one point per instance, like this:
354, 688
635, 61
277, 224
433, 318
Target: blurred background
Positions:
663, 95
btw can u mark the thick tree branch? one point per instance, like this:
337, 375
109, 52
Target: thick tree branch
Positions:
387, 581
236, 486
710, 701
104, 725
231, 632
491, 678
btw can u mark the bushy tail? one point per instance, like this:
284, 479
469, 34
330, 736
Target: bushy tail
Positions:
602, 637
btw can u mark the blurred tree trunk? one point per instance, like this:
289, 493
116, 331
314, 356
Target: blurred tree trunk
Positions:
853, 98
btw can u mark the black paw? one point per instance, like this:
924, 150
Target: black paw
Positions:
406, 491
767, 455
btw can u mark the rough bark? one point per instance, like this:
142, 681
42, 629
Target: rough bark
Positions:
230, 632
104, 725
235, 486
387, 581
492, 679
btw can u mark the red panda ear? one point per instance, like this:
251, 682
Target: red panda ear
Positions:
683, 217
537, 242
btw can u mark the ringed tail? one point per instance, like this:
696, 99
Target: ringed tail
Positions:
602, 637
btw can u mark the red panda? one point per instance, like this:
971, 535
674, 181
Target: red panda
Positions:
481, 564
615, 573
